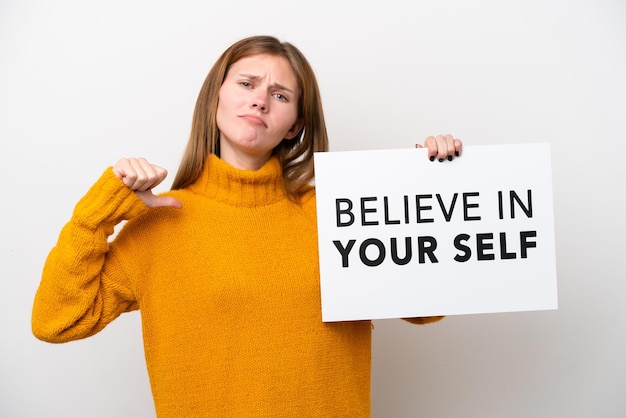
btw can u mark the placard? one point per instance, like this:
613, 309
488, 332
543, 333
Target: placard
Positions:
402, 236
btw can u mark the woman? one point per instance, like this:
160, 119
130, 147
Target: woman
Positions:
224, 267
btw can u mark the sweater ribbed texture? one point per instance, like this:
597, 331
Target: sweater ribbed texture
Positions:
228, 290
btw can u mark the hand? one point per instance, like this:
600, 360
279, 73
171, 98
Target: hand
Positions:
141, 176
442, 147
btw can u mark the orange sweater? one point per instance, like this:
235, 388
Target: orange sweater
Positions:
228, 290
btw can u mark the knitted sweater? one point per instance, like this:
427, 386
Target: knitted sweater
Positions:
228, 290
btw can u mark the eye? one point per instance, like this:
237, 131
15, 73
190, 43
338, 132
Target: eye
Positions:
281, 97
245, 84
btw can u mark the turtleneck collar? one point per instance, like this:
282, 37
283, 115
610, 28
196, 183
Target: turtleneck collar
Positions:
232, 186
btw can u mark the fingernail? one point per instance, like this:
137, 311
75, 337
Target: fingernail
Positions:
441, 160
449, 158
456, 153
432, 158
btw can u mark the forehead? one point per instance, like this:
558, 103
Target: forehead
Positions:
276, 69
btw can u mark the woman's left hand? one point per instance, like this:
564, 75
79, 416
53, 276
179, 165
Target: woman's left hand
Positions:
442, 147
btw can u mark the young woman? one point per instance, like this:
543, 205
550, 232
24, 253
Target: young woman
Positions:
224, 267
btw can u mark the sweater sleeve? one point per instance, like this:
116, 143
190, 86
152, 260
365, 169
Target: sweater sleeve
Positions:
77, 297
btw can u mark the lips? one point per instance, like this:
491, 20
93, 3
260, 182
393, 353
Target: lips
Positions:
255, 120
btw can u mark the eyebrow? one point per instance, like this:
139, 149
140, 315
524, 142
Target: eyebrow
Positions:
276, 85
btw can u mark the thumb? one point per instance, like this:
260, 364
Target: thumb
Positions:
155, 201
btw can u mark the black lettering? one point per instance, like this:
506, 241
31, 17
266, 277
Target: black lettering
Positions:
447, 215
406, 209
467, 206
427, 246
365, 210
347, 211
467, 253
407, 252
420, 208
525, 244
528, 210
387, 220
344, 251
481, 246
504, 255
381, 252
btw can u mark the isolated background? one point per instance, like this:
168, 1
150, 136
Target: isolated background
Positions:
85, 83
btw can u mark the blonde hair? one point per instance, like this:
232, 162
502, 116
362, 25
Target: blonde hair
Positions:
295, 155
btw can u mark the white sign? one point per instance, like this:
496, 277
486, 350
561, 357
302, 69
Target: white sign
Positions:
401, 236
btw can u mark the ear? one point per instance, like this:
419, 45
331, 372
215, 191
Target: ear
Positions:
295, 129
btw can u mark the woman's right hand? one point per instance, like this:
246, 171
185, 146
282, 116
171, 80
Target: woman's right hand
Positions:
141, 177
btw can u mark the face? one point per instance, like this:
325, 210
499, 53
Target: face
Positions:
257, 109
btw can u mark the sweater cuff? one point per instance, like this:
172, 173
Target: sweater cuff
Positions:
424, 320
108, 201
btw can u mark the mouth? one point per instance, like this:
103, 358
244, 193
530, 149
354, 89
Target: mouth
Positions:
255, 120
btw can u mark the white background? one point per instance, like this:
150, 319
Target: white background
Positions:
84, 83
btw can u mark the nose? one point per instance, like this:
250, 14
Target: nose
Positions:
259, 102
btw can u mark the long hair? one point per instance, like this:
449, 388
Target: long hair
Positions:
295, 155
